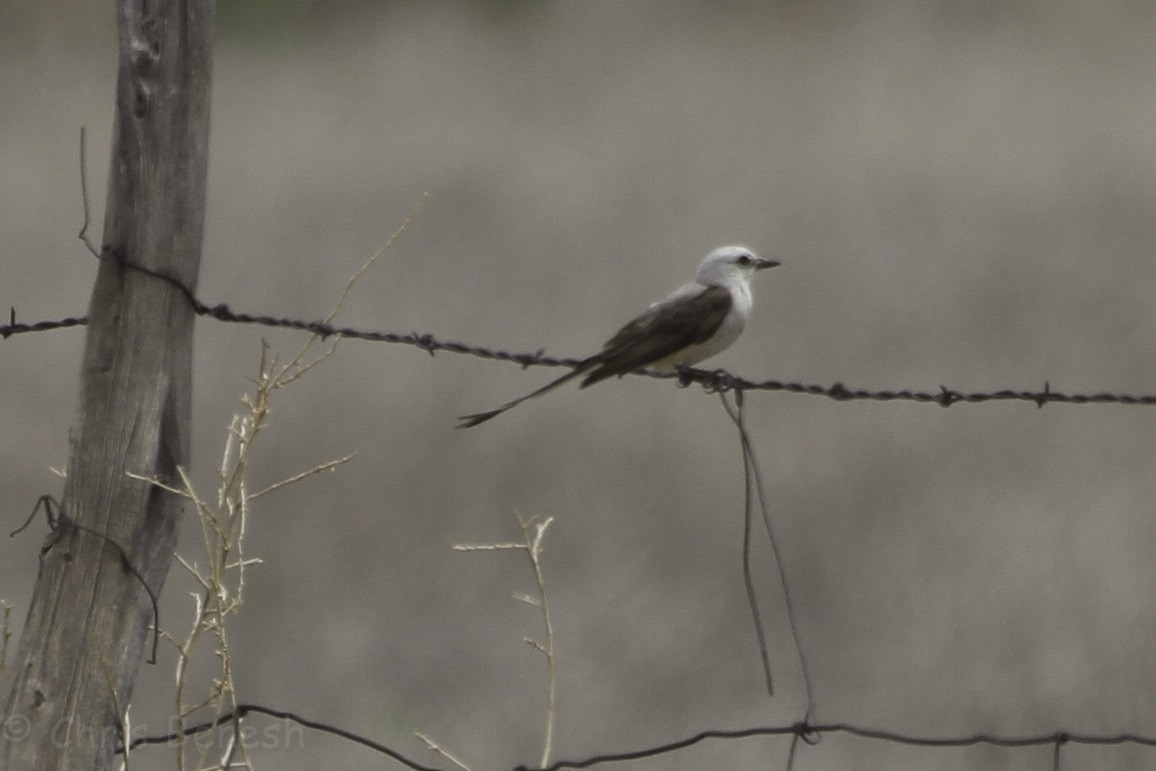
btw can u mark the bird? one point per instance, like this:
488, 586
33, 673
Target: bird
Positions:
693, 323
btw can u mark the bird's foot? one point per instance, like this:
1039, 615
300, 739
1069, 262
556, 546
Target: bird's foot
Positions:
718, 381
684, 374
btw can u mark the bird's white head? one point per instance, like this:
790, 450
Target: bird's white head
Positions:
731, 265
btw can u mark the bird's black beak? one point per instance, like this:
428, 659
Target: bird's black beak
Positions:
765, 263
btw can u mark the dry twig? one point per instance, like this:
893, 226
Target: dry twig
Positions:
533, 531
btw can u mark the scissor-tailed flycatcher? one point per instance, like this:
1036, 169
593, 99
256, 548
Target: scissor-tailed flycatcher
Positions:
694, 323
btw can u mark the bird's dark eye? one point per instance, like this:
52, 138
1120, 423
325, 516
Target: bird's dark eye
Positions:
744, 259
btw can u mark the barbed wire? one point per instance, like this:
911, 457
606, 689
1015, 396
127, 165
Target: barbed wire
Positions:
810, 734
59, 521
238, 713
713, 380
803, 731
14, 327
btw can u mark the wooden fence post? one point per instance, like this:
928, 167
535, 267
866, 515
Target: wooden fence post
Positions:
89, 617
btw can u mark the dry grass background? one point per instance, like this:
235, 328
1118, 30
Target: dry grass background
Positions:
959, 197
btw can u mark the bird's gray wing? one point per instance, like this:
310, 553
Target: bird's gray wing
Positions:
662, 330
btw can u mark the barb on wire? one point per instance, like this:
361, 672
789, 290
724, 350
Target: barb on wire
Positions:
57, 518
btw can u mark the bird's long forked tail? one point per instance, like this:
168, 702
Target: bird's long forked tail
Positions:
469, 421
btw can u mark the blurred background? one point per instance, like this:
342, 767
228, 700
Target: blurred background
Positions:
961, 194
